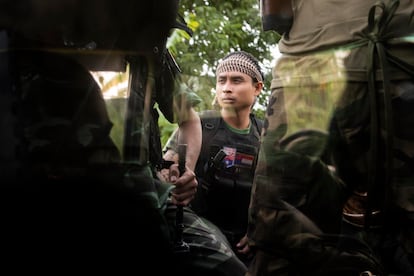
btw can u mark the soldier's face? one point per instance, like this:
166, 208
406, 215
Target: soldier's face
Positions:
235, 90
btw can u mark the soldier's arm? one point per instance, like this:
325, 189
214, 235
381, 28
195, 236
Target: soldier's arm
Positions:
189, 133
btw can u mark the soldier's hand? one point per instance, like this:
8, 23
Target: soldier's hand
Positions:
185, 185
164, 175
243, 246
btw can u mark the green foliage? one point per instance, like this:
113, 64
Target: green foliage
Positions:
219, 27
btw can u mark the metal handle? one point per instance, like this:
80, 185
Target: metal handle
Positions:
180, 245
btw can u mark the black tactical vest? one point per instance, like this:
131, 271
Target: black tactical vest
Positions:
225, 171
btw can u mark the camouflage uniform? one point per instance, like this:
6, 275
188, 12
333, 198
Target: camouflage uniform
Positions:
325, 80
209, 251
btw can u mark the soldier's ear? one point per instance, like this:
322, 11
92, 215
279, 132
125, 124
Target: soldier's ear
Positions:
259, 87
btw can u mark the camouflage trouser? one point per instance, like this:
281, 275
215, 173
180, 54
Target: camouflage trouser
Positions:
209, 251
390, 229
296, 198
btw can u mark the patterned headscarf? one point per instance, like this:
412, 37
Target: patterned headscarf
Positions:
239, 62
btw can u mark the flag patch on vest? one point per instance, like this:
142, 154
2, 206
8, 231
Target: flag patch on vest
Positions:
234, 158
230, 156
244, 160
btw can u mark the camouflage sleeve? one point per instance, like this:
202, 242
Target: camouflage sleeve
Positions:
184, 100
190, 97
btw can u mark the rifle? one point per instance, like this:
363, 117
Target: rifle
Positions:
180, 245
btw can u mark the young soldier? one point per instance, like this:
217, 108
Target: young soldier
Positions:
231, 138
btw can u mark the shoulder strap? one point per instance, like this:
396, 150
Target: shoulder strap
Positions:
257, 122
210, 120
